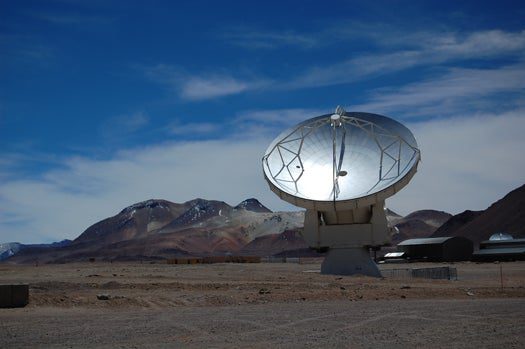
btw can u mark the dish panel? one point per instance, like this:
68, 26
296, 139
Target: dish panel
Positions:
340, 159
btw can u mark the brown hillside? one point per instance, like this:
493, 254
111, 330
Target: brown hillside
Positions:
506, 215
163, 229
418, 224
275, 243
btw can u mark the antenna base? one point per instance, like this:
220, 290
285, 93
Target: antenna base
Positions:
349, 261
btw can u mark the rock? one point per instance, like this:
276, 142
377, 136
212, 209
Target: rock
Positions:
103, 297
470, 293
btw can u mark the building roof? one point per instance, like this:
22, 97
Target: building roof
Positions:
394, 254
425, 241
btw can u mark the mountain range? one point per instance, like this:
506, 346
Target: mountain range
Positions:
163, 229
506, 215
9, 249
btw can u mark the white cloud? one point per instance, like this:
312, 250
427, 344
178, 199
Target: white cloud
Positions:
467, 164
194, 128
197, 88
122, 125
270, 123
259, 39
456, 91
202, 86
487, 43
281, 117
424, 49
162, 73
62, 203
246, 124
353, 69
397, 52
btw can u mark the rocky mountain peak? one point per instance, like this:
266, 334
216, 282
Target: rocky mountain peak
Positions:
208, 206
200, 210
252, 204
151, 203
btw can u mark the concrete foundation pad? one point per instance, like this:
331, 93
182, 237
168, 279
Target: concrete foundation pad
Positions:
349, 261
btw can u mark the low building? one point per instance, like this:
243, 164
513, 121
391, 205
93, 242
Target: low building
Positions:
441, 249
500, 250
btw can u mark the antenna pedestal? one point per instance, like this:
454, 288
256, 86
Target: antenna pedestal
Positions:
349, 261
347, 234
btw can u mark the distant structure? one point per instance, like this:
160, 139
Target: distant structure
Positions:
341, 167
441, 249
500, 236
394, 257
500, 248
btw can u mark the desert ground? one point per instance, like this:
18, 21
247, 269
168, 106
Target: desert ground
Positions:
261, 305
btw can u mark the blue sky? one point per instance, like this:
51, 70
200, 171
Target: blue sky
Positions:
103, 104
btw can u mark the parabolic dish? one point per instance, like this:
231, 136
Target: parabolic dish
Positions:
346, 160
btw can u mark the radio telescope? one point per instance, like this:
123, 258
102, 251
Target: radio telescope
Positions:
341, 167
